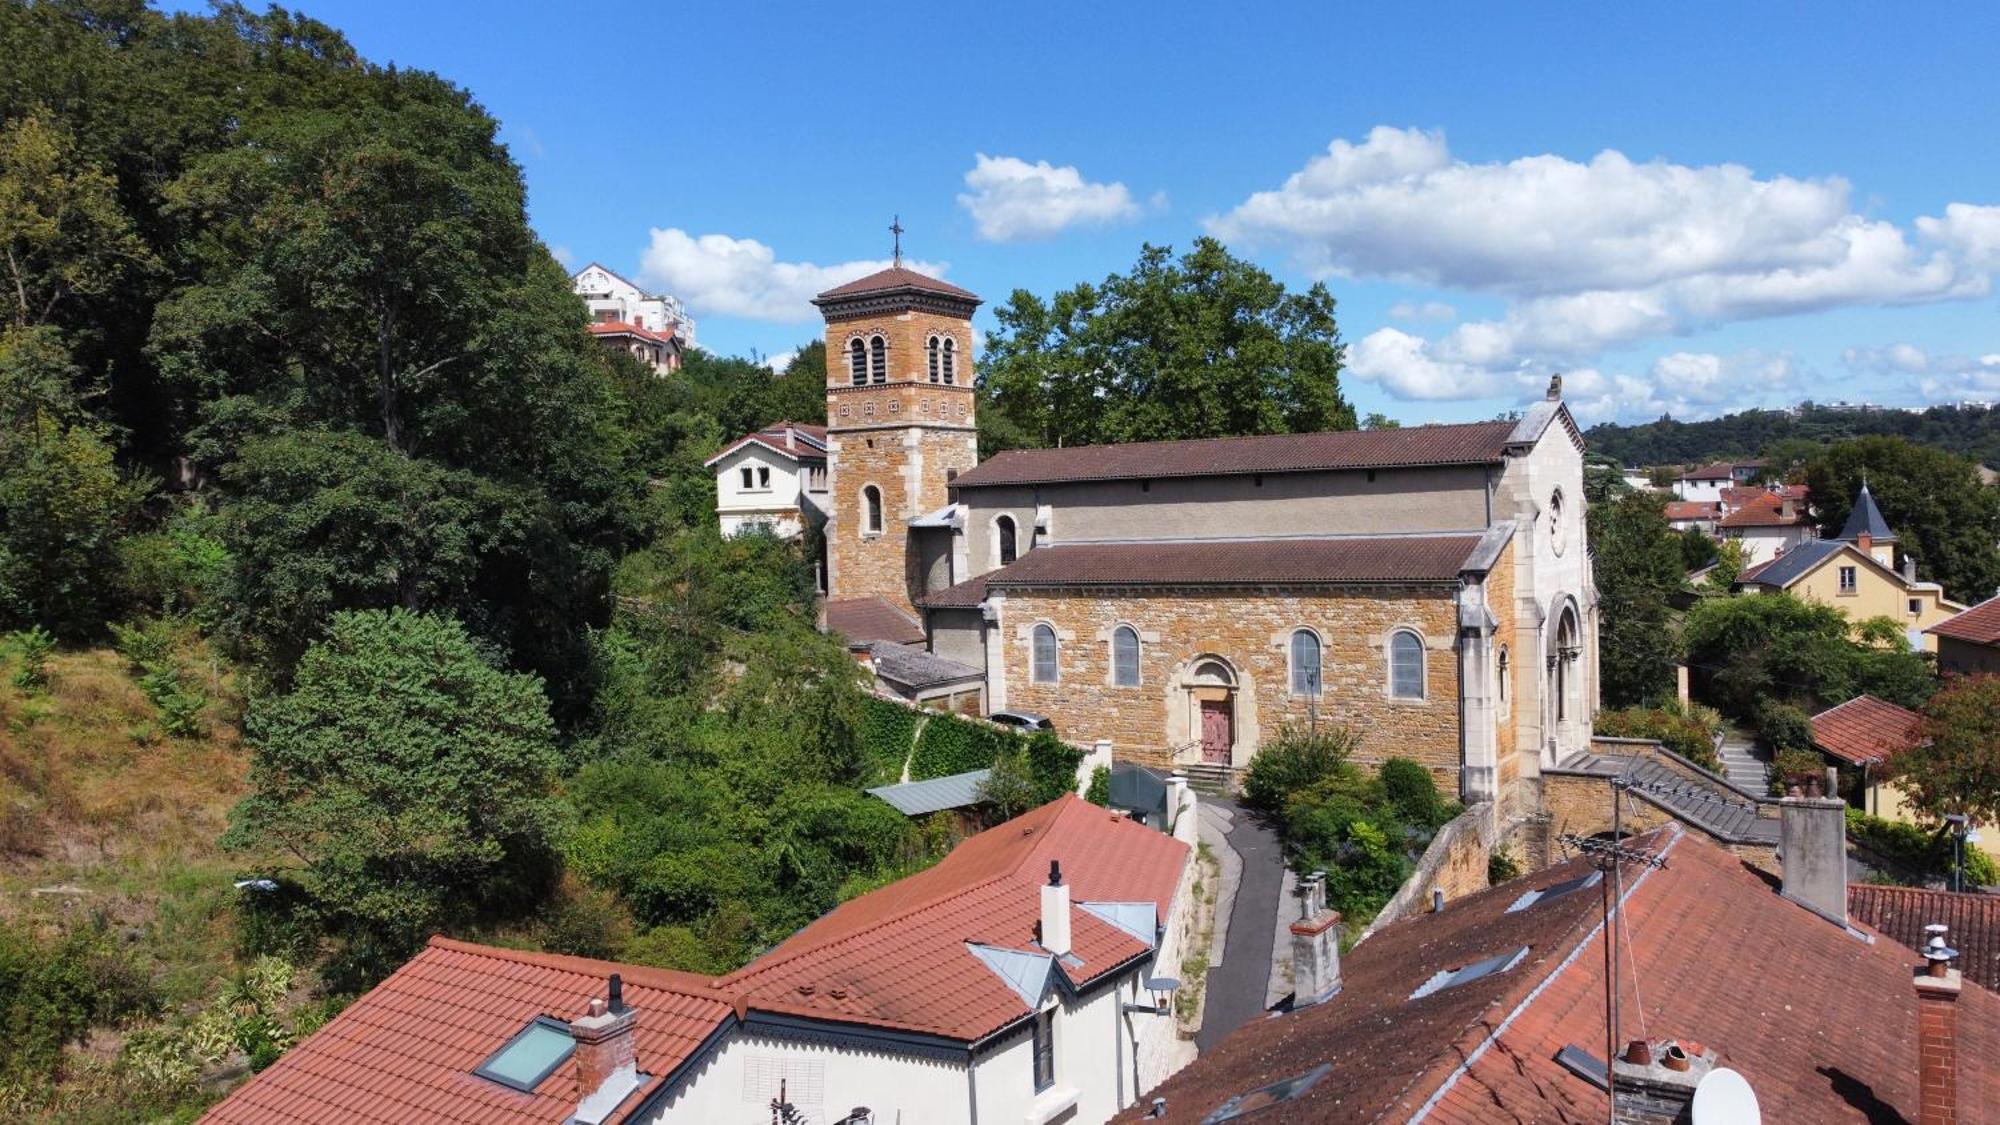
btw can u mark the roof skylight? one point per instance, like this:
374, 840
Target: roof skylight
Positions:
1555, 891
1452, 978
1276, 1093
531, 1055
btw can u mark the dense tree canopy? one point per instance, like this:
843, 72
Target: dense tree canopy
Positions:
1956, 768
1784, 435
1203, 345
1747, 652
1638, 564
1942, 514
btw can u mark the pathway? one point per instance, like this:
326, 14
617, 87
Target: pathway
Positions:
1742, 762
1239, 980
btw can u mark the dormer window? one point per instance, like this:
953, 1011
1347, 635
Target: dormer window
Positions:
857, 362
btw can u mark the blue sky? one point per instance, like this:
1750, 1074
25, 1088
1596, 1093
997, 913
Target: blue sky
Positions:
1687, 207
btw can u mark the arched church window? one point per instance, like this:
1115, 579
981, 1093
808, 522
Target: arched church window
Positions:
1502, 667
1044, 667
857, 361
931, 355
878, 360
871, 510
1004, 547
1556, 529
1125, 656
1406, 665
950, 359
1305, 662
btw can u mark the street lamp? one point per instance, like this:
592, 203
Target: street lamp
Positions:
1959, 832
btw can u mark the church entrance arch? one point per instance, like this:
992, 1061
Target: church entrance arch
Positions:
1208, 712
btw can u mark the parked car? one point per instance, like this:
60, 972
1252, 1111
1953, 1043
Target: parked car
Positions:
1022, 720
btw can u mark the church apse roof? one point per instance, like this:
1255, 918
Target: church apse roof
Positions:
1470, 443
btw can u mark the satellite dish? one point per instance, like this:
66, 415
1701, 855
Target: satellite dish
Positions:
1724, 1098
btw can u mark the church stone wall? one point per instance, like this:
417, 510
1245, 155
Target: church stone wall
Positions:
1250, 629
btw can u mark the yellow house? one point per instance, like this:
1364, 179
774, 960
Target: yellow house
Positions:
1856, 574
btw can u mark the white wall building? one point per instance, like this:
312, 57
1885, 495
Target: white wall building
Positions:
613, 298
774, 479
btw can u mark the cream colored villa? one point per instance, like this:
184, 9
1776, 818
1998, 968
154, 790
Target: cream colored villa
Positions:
1429, 587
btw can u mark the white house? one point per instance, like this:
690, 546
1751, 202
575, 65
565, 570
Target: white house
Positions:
1708, 482
1767, 522
613, 298
1018, 980
774, 479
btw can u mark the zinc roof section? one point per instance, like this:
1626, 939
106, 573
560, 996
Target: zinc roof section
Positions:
1248, 562
1979, 625
896, 957
1470, 443
407, 1049
915, 798
1865, 730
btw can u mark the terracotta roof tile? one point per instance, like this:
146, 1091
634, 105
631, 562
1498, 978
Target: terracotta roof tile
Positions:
1255, 562
1980, 624
1471, 443
407, 1050
1804, 1010
873, 618
620, 328
1865, 730
966, 595
1766, 509
1903, 912
899, 953
808, 442
889, 280
1693, 509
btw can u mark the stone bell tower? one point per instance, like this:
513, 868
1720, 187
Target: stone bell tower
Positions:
899, 419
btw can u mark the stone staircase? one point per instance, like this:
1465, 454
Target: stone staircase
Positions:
1688, 792
1210, 780
1741, 765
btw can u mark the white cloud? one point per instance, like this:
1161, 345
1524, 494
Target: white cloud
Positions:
719, 275
1940, 378
777, 363
1012, 200
563, 254
1592, 255
1426, 310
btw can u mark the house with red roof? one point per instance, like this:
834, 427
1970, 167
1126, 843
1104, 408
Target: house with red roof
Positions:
613, 297
773, 480
1499, 1006
1969, 643
1708, 482
1766, 521
1861, 736
1016, 980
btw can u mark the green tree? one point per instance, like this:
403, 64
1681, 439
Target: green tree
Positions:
1955, 769
1204, 345
1934, 501
1009, 789
1638, 564
63, 237
63, 506
1747, 653
405, 779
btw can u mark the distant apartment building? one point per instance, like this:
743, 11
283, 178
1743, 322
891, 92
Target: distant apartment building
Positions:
613, 299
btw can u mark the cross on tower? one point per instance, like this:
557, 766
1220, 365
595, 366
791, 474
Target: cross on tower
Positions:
896, 228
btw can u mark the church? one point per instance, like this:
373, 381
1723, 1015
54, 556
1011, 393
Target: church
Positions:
1429, 588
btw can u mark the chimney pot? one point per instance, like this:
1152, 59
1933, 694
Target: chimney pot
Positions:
1938, 986
1639, 1053
1675, 1059
1055, 913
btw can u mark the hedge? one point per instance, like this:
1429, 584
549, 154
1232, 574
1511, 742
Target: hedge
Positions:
1684, 735
950, 745
887, 729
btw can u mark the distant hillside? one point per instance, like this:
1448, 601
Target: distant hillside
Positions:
1972, 431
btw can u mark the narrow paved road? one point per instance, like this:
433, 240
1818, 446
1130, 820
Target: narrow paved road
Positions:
1236, 987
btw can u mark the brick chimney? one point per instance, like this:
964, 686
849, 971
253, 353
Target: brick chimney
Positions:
1937, 1031
1315, 945
1866, 542
1657, 1080
607, 1057
1812, 848
1055, 912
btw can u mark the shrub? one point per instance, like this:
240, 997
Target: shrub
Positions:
1691, 735
1413, 793
1297, 759
1010, 787
1917, 855
1501, 867
1796, 767
33, 645
1784, 727
53, 991
1099, 791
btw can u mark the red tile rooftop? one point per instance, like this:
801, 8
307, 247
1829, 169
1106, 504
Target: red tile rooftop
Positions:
1979, 625
1865, 730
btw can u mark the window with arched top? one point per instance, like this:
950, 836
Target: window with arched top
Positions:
1044, 667
1004, 547
950, 359
1556, 529
1406, 665
871, 510
1305, 662
878, 360
1125, 656
857, 361
931, 357
1502, 667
